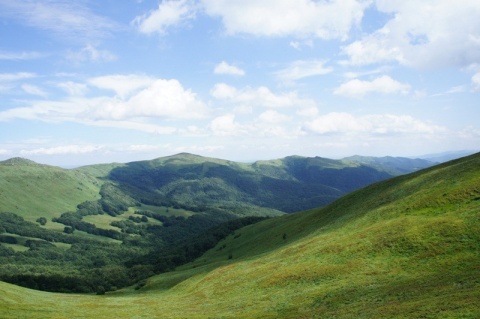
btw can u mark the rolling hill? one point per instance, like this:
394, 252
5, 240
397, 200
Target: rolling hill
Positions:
285, 185
33, 190
407, 247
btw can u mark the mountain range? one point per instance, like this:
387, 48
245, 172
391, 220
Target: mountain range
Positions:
406, 246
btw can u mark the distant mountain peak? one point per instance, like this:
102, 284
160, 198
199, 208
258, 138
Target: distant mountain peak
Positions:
19, 161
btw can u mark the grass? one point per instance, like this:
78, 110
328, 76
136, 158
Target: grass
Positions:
408, 247
31, 190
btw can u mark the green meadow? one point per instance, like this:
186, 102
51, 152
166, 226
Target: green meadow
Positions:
32, 190
407, 247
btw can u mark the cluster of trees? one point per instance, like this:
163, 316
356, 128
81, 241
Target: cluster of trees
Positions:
97, 266
189, 249
74, 220
14, 224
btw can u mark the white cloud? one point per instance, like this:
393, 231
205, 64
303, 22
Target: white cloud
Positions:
143, 147
431, 33
90, 53
376, 124
9, 77
66, 19
223, 91
162, 99
308, 111
21, 56
64, 150
34, 90
225, 68
169, 13
259, 97
383, 84
266, 125
272, 116
225, 125
302, 69
166, 98
297, 45
73, 88
4, 151
322, 19
123, 85
476, 81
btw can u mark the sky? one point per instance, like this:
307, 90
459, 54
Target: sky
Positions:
84, 81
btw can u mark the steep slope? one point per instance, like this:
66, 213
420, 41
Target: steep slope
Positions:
407, 247
34, 190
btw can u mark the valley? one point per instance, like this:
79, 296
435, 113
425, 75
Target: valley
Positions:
396, 247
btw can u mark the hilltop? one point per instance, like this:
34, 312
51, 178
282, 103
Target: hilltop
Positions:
34, 190
405, 247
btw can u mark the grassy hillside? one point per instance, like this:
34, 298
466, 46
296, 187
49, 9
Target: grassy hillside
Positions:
407, 247
34, 190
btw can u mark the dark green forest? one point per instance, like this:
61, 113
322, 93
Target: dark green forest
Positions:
91, 265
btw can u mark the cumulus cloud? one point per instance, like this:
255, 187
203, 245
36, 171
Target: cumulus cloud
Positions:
161, 99
259, 97
383, 84
225, 125
166, 98
225, 68
170, 13
376, 124
302, 69
433, 33
300, 18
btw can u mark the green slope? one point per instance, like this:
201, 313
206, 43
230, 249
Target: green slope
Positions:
34, 190
408, 247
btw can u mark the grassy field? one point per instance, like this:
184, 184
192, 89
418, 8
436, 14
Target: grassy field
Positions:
408, 247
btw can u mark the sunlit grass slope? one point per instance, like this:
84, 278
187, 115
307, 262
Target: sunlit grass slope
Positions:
34, 190
408, 247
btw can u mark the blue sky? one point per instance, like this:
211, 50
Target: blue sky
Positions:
88, 81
